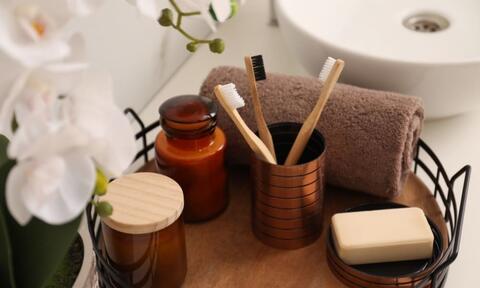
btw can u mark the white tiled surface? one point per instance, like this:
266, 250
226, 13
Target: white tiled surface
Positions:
455, 140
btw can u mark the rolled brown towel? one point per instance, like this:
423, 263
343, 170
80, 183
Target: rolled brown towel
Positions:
370, 135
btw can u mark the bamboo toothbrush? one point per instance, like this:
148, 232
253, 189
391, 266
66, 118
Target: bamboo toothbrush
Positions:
256, 72
230, 100
329, 75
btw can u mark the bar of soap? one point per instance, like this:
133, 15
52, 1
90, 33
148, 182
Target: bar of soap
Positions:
380, 236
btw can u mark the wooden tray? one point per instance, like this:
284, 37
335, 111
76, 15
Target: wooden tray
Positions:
224, 252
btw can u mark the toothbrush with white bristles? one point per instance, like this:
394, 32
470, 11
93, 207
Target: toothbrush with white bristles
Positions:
230, 100
329, 75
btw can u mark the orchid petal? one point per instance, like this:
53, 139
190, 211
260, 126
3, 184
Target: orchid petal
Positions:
8, 106
222, 9
77, 59
13, 196
57, 189
37, 138
11, 72
115, 150
78, 183
149, 8
23, 42
36, 98
95, 86
112, 142
42, 180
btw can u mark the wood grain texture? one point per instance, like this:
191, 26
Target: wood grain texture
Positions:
312, 119
263, 131
143, 203
255, 143
225, 253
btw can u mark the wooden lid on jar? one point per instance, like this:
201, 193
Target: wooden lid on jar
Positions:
143, 203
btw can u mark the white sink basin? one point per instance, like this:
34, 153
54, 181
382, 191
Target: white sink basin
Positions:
439, 62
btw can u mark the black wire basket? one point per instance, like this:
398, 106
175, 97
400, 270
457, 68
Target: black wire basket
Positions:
450, 193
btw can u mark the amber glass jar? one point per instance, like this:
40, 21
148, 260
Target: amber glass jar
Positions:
144, 238
191, 150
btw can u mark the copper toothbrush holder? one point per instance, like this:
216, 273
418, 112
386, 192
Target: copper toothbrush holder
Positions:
288, 200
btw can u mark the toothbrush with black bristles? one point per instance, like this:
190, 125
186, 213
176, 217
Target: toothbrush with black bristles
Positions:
256, 72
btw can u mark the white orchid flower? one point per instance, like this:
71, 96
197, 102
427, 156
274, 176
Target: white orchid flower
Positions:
49, 103
61, 114
34, 90
54, 189
34, 31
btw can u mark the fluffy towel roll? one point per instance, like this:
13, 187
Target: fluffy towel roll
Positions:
370, 135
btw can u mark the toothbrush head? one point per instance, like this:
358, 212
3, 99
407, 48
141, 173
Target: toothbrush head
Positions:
231, 96
327, 67
258, 68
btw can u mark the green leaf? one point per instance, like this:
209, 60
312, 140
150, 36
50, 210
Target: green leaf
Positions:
3, 150
39, 249
6, 267
36, 249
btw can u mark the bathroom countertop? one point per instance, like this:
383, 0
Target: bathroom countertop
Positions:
454, 140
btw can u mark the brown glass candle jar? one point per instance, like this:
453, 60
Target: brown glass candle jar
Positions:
144, 237
191, 150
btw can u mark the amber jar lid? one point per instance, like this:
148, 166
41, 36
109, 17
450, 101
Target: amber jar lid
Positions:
143, 203
188, 116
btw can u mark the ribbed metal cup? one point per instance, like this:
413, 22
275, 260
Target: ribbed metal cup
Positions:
288, 200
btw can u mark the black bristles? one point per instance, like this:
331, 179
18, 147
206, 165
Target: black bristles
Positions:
258, 68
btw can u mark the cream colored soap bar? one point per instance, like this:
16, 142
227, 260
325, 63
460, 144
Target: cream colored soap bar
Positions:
382, 236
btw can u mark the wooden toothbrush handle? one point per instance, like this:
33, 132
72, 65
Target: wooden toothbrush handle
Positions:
262, 127
252, 140
311, 122
302, 140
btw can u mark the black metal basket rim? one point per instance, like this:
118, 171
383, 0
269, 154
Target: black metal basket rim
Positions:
108, 275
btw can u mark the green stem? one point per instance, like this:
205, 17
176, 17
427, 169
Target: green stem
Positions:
175, 6
194, 13
188, 36
178, 25
180, 12
179, 21
183, 32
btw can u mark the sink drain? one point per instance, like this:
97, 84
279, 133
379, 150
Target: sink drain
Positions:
426, 23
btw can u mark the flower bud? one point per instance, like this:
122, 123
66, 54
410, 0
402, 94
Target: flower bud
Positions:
104, 208
101, 184
217, 45
192, 47
167, 17
235, 5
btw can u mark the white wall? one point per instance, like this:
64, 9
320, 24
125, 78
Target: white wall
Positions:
140, 54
